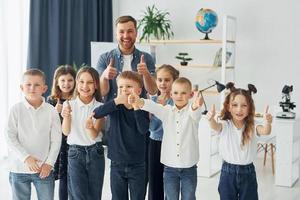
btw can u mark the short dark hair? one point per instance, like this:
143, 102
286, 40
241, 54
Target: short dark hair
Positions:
35, 72
125, 19
131, 75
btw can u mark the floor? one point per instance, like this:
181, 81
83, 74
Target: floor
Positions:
206, 189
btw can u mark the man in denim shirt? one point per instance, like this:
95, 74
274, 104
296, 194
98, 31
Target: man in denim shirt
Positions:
125, 57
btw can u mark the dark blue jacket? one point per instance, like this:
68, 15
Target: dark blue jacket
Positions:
127, 134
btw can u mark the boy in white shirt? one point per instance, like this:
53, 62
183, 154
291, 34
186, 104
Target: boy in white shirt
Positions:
179, 151
33, 136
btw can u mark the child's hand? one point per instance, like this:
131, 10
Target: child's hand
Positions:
45, 170
268, 118
133, 99
121, 98
142, 67
110, 72
211, 114
198, 102
58, 106
32, 164
89, 124
66, 110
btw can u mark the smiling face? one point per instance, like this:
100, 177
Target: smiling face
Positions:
33, 87
181, 93
66, 84
126, 36
164, 81
238, 108
86, 87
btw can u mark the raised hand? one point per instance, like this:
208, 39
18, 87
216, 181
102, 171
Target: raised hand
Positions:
211, 114
110, 72
66, 109
268, 118
198, 102
58, 106
89, 124
32, 163
133, 99
121, 98
142, 67
45, 170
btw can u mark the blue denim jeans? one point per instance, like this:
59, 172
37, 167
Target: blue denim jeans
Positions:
86, 171
21, 186
180, 179
238, 182
125, 176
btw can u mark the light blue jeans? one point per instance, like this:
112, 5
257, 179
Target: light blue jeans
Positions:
21, 186
180, 179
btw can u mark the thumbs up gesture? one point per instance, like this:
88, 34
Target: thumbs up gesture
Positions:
142, 67
66, 109
110, 72
89, 124
58, 106
211, 114
133, 100
198, 102
268, 118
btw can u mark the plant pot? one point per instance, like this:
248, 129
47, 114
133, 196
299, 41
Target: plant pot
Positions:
183, 63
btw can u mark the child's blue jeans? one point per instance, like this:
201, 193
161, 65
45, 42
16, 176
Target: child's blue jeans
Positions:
21, 186
86, 171
180, 179
238, 182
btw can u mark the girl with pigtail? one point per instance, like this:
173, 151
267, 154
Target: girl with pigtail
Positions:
238, 141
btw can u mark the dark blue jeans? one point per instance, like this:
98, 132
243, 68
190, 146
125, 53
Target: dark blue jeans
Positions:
124, 176
86, 171
238, 182
180, 179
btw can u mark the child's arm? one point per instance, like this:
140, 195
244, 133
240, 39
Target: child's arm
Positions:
67, 118
211, 119
266, 128
105, 109
194, 110
93, 129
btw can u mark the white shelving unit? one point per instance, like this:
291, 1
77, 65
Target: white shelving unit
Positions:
210, 161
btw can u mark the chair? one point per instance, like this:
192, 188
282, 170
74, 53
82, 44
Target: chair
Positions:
267, 143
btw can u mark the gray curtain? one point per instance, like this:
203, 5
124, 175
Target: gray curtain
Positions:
60, 32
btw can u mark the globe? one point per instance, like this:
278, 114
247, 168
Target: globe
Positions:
206, 21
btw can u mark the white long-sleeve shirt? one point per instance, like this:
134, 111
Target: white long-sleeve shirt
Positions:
36, 132
180, 145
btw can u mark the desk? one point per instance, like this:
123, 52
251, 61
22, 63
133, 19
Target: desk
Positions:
287, 133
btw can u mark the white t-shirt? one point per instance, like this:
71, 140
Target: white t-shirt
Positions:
127, 62
80, 112
230, 146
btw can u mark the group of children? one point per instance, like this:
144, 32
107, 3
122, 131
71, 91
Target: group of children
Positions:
67, 137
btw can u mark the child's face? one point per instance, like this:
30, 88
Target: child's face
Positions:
33, 87
238, 107
181, 93
127, 86
66, 83
164, 81
86, 86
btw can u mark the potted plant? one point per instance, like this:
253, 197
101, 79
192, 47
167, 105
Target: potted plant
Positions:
184, 58
155, 24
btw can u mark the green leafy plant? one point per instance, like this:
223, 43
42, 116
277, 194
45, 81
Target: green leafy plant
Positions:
183, 56
155, 23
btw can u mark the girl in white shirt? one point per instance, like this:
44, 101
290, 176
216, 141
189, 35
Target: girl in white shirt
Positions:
85, 155
238, 135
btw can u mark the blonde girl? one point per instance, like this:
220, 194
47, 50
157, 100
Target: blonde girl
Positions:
62, 89
85, 155
165, 75
238, 135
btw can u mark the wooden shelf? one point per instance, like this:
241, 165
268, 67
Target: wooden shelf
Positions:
195, 41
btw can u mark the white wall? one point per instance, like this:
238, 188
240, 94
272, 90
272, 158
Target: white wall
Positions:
267, 39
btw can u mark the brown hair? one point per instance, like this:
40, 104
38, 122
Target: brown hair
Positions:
249, 120
125, 19
169, 68
35, 72
131, 75
95, 75
56, 93
183, 80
